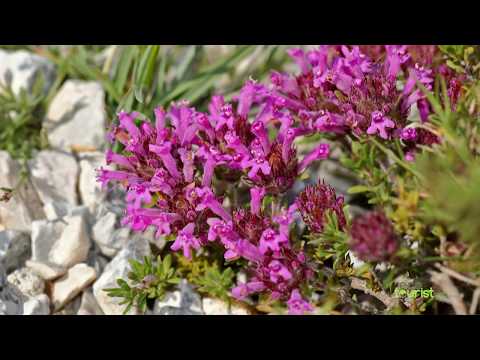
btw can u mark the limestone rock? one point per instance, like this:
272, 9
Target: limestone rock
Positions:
96, 260
20, 70
91, 192
62, 243
46, 271
89, 305
38, 305
107, 233
15, 249
25, 205
27, 281
71, 284
238, 310
56, 210
76, 118
11, 299
71, 308
72, 247
213, 306
54, 176
184, 301
118, 268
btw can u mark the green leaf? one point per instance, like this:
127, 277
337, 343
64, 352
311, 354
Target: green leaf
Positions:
124, 66
147, 67
186, 62
161, 74
138, 94
357, 189
167, 262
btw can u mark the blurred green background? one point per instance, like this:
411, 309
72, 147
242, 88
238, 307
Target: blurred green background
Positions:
134, 77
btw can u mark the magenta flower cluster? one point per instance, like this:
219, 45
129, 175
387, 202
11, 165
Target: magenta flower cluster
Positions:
168, 167
340, 90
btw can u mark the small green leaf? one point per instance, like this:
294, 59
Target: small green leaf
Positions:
357, 189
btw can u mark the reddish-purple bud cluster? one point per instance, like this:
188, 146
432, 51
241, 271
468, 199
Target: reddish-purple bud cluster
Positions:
315, 201
373, 237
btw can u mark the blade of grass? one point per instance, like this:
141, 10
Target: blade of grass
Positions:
147, 67
124, 66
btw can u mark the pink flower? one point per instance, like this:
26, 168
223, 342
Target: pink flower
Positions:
396, 56
272, 241
241, 291
297, 305
299, 57
257, 194
409, 134
257, 164
278, 272
320, 152
209, 200
380, 123
331, 122
186, 240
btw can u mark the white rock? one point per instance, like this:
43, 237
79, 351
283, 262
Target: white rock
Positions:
76, 118
149, 234
44, 235
15, 249
62, 243
190, 298
46, 271
116, 241
118, 268
55, 210
73, 245
27, 281
71, 308
356, 262
241, 277
38, 305
107, 233
3, 275
20, 69
25, 205
238, 310
96, 260
71, 284
9, 307
171, 299
54, 176
91, 192
213, 306
89, 305
184, 301
11, 299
